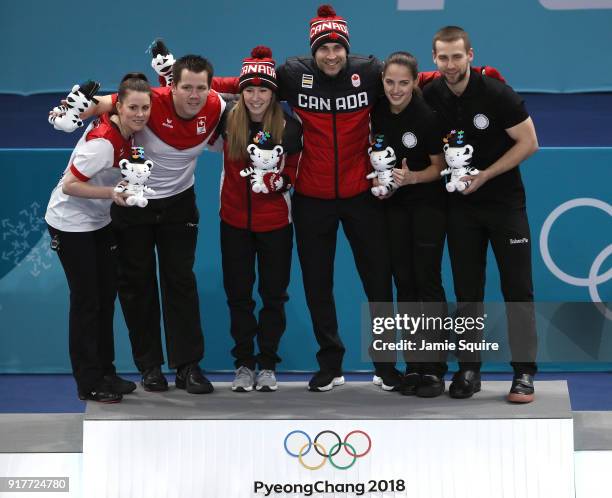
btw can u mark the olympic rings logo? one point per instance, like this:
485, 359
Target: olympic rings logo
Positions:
303, 448
594, 278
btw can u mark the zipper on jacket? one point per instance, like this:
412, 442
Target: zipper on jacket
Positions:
336, 168
248, 195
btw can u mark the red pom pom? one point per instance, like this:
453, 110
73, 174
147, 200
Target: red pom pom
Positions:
326, 11
261, 52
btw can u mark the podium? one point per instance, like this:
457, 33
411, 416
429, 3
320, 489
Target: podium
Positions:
353, 441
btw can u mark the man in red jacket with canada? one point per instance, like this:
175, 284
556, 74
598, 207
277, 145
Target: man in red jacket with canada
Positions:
332, 94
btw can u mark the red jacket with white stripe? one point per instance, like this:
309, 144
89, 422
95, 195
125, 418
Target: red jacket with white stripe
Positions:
243, 208
335, 116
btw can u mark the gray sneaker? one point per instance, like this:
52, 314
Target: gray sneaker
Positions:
244, 380
266, 381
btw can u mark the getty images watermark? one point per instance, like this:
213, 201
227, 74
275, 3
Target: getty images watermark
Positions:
493, 331
421, 329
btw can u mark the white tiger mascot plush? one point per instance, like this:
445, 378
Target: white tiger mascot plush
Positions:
265, 157
162, 61
458, 157
382, 159
135, 172
66, 117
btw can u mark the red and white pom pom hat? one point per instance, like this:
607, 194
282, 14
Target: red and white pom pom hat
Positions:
258, 70
328, 27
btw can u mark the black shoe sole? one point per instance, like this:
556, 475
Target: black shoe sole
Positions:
104, 402
113, 402
464, 395
181, 384
154, 389
429, 394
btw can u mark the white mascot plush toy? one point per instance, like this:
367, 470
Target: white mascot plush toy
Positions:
265, 157
382, 159
66, 117
458, 157
135, 172
162, 61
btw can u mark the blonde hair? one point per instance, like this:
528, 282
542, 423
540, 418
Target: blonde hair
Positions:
238, 127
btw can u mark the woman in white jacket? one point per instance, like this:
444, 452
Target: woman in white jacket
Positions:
78, 218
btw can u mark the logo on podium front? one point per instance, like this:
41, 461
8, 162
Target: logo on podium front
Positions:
327, 446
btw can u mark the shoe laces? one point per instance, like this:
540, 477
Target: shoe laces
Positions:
266, 375
244, 372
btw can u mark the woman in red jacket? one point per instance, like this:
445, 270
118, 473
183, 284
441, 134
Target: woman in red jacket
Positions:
256, 223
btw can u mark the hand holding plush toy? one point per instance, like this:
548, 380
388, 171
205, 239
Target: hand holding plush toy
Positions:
265, 157
135, 172
458, 156
382, 158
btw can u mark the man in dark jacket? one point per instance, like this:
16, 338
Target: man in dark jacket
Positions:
332, 94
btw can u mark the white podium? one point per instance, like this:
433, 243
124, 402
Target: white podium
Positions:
354, 441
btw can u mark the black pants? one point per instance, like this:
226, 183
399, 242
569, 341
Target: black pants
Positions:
417, 231
170, 227
316, 226
239, 250
470, 230
89, 263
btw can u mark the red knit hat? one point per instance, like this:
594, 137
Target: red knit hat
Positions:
328, 27
258, 70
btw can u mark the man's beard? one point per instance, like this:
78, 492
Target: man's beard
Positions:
459, 79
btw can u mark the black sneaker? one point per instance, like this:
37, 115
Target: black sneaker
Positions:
388, 381
101, 394
522, 390
409, 384
325, 381
191, 378
119, 385
430, 386
465, 383
153, 380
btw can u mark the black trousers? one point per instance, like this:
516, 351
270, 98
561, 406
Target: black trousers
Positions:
417, 231
89, 262
169, 227
470, 230
316, 226
239, 251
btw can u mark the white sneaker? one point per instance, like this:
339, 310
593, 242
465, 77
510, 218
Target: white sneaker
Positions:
244, 380
266, 381
390, 382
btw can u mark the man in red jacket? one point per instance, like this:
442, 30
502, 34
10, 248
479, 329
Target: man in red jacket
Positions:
332, 94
